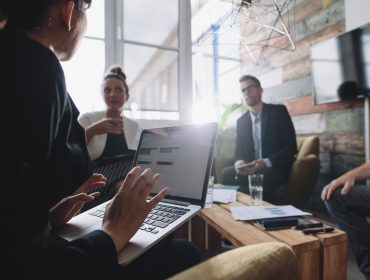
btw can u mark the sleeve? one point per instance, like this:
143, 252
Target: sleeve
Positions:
241, 144
89, 257
93, 254
238, 144
285, 156
85, 120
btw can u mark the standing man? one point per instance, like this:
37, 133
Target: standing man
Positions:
266, 137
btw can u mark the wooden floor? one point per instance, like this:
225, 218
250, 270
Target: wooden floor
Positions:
353, 273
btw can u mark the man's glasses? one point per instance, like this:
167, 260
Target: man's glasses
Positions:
248, 89
82, 5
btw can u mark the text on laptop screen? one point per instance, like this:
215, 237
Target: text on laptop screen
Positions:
181, 155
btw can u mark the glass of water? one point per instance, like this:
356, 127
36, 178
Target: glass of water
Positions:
256, 188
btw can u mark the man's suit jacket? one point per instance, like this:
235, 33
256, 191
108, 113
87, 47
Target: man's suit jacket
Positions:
277, 135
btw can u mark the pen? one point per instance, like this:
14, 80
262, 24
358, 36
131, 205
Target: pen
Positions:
313, 225
319, 230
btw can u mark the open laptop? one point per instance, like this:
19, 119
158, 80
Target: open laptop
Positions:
183, 156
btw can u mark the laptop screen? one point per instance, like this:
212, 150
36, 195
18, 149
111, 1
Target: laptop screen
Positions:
182, 155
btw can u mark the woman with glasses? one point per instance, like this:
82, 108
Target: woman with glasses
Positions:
47, 166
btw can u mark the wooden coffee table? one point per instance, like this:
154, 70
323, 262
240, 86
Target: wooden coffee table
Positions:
320, 256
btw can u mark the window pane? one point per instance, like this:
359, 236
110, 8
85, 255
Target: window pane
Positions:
95, 20
83, 81
216, 59
152, 75
152, 22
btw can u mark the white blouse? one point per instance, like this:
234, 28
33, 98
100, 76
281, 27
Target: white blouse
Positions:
97, 143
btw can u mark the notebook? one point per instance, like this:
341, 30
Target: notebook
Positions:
183, 156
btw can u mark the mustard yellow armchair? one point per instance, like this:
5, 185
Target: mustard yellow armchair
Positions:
304, 173
303, 176
264, 261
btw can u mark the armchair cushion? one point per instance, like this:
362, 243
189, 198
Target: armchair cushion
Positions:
264, 261
302, 179
307, 145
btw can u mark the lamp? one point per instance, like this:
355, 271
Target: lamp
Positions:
252, 26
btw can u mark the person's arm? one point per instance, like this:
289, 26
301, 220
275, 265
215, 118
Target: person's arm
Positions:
129, 207
106, 125
347, 180
70, 206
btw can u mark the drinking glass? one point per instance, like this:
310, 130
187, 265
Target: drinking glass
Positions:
256, 188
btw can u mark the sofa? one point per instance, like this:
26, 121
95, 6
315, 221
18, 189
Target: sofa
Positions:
264, 261
304, 172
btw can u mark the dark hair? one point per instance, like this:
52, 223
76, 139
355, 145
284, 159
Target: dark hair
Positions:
28, 14
117, 72
249, 77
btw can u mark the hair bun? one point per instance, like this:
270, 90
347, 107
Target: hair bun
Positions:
117, 70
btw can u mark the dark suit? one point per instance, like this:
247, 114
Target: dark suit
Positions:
278, 145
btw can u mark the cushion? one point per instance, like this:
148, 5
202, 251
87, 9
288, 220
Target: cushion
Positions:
264, 261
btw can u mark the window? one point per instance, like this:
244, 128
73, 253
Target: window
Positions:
216, 59
148, 39
84, 81
151, 57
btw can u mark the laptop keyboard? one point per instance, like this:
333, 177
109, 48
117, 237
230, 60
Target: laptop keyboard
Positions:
160, 216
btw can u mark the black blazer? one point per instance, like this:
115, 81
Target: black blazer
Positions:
46, 159
278, 137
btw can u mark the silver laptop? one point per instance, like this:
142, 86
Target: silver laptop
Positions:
183, 156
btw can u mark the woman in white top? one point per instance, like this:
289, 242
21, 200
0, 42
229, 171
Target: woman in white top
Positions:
110, 133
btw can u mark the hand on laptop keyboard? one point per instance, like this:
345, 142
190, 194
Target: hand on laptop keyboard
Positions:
129, 207
68, 207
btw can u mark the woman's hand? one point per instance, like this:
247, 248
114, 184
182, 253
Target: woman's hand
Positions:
95, 181
129, 207
68, 207
108, 125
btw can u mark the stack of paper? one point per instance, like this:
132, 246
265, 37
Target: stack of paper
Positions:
249, 213
224, 195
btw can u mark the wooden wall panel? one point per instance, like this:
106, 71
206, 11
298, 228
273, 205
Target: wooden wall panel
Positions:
282, 58
304, 105
297, 69
319, 21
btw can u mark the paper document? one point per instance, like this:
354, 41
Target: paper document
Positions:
227, 187
224, 195
249, 213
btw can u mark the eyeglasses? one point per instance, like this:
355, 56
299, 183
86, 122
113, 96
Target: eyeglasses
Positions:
82, 5
248, 89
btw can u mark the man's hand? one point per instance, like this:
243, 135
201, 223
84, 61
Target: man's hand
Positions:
258, 165
347, 184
